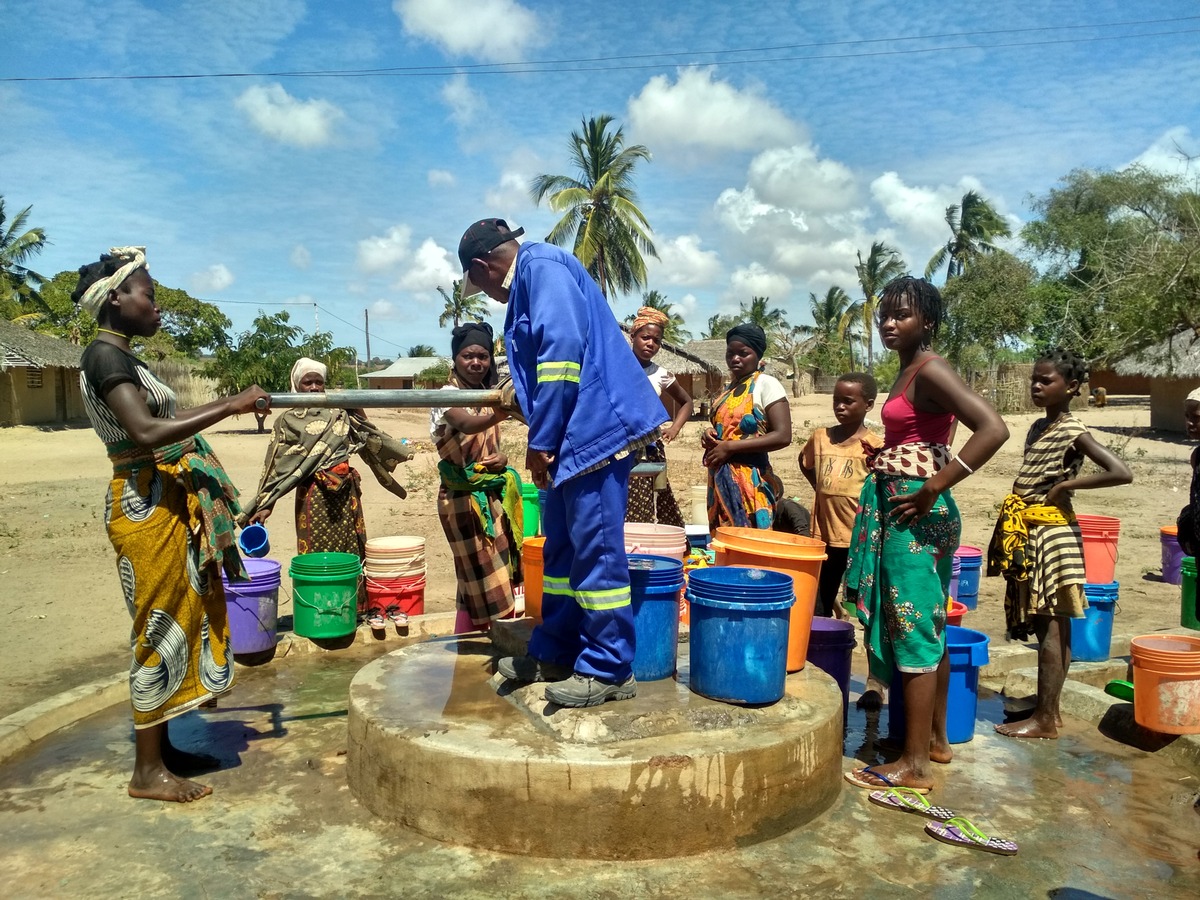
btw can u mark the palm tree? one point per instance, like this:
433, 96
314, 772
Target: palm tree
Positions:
759, 313
459, 309
834, 325
974, 224
599, 210
19, 244
882, 264
674, 332
421, 350
717, 326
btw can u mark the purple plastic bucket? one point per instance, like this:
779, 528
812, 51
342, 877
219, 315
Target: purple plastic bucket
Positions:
955, 571
1172, 558
830, 645
253, 607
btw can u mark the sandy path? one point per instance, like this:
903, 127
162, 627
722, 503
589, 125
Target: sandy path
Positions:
65, 621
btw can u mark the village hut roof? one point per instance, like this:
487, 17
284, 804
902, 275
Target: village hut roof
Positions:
409, 367
21, 346
1176, 357
713, 354
680, 361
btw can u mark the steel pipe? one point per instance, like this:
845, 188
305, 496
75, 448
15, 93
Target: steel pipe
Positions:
417, 398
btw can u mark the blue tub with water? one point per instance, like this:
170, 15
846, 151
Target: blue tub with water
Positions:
739, 633
1091, 637
968, 652
654, 586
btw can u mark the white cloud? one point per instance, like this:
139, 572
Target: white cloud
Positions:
464, 103
440, 178
682, 262
699, 110
755, 280
1169, 154
215, 278
920, 210
497, 30
385, 252
797, 177
282, 117
300, 257
383, 309
511, 192
429, 267
300, 300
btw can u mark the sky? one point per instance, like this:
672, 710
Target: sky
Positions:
785, 136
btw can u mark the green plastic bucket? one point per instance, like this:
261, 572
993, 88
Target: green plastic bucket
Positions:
325, 594
1189, 615
533, 509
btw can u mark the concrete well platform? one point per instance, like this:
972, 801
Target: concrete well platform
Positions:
440, 744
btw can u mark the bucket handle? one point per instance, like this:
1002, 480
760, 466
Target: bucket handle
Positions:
415, 585
254, 612
297, 599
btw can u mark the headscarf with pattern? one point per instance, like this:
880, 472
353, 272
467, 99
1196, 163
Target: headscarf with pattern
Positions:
132, 259
648, 315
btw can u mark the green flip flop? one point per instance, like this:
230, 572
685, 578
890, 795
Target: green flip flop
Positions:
907, 800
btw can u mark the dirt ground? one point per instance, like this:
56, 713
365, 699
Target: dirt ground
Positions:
66, 622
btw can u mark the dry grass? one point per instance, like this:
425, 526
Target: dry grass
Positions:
190, 389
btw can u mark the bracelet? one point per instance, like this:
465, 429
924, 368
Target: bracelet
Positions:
963, 463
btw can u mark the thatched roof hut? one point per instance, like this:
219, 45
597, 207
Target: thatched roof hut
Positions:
39, 377
1172, 368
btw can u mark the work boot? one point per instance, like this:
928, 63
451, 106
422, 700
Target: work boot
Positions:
527, 668
582, 690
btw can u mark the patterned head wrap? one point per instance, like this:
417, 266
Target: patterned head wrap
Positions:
750, 335
304, 366
132, 259
648, 315
1194, 396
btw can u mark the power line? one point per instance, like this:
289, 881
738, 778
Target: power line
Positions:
584, 64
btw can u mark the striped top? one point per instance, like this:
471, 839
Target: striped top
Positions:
1050, 457
103, 367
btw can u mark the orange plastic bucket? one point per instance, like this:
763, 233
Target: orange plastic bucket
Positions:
800, 557
1100, 534
1166, 683
531, 565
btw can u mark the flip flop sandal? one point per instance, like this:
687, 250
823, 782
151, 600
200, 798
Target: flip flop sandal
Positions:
856, 778
909, 801
960, 832
376, 620
397, 615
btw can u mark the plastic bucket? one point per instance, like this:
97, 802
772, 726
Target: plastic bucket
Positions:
1100, 534
830, 646
1172, 554
954, 615
254, 542
531, 566
955, 572
531, 501
395, 556
968, 651
406, 593
654, 586
1189, 612
697, 537
1091, 636
253, 607
698, 505
655, 540
794, 555
739, 648
325, 594
1166, 683
970, 562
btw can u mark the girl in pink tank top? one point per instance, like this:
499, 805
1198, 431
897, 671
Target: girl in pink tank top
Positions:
907, 528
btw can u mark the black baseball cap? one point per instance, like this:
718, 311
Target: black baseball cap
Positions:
482, 238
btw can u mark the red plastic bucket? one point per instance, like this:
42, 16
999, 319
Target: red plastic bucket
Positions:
1100, 534
406, 593
956, 613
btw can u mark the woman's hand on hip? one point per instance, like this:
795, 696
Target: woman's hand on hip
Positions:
909, 507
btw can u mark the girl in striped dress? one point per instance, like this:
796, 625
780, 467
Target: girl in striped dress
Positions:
1037, 545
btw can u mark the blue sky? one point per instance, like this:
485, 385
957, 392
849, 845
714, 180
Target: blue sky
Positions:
785, 135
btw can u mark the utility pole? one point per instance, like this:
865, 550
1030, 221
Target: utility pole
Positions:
367, 332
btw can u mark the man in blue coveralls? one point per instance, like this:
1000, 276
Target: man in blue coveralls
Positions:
589, 406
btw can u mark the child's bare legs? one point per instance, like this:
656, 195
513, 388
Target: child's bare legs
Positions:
1054, 659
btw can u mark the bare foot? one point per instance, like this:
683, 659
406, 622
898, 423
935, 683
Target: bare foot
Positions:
940, 753
185, 763
1033, 727
162, 785
899, 774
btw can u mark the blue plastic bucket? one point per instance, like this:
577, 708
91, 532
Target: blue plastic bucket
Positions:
739, 633
253, 607
253, 541
1091, 637
970, 561
968, 652
654, 585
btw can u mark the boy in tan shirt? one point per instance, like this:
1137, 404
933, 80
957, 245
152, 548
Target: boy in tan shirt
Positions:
835, 463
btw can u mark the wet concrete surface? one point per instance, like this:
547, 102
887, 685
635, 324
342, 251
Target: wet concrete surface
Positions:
1093, 819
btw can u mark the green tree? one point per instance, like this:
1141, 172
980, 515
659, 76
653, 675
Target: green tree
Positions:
974, 226
882, 264
1121, 252
600, 217
19, 284
459, 309
265, 355
421, 350
988, 311
833, 332
60, 316
673, 332
759, 312
718, 324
